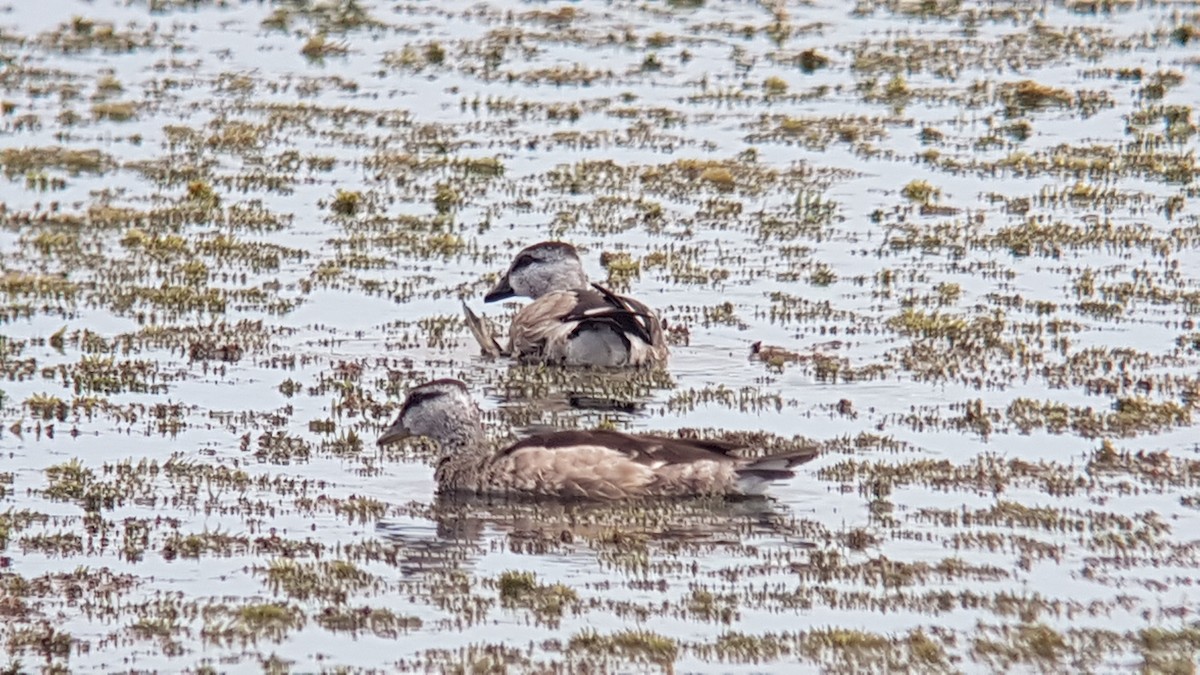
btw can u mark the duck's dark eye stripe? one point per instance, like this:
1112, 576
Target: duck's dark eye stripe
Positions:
419, 397
523, 260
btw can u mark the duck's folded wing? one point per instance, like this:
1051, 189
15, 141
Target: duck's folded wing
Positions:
541, 323
653, 451
611, 465
600, 304
650, 322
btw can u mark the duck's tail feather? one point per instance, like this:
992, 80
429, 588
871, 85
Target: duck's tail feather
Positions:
785, 460
754, 478
482, 330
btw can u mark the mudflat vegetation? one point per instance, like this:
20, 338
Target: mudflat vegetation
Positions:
952, 245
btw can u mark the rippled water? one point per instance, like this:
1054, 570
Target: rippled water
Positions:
968, 229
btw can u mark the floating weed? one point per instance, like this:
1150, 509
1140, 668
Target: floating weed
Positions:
811, 60
633, 645
319, 46
707, 606
832, 647
416, 57
775, 86
659, 40
546, 602
380, 622
1031, 644
20, 161
13, 522
282, 448
121, 483
1168, 650
445, 198
82, 34
191, 244
823, 275
622, 268
202, 194
43, 640
333, 581
115, 111
361, 509
162, 629
896, 91
920, 191
744, 399
47, 407
1030, 95
253, 622
1185, 34
1130, 417
346, 203
930, 324
719, 177
279, 19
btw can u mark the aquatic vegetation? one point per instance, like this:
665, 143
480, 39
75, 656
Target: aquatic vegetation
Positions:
319, 46
445, 198
920, 191
1029, 95
331, 581
634, 645
810, 60
82, 34
953, 254
18, 161
377, 621
346, 203
546, 602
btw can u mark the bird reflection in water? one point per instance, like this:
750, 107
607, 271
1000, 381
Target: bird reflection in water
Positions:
456, 530
533, 399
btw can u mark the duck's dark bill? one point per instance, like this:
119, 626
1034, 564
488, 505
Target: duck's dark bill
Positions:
501, 291
393, 434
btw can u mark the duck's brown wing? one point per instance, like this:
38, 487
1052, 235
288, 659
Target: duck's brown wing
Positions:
605, 464
540, 324
611, 465
596, 305
637, 318
550, 322
649, 450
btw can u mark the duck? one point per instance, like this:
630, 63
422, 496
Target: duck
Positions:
597, 465
571, 322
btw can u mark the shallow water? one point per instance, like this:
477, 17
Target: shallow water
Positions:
969, 228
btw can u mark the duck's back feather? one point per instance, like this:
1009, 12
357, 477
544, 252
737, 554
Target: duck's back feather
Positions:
651, 450
600, 304
606, 464
609, 465
621, 330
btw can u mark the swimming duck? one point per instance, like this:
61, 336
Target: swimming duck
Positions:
570, 321
594, 465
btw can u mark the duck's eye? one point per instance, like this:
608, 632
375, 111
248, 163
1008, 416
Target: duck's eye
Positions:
523, 260
416, 398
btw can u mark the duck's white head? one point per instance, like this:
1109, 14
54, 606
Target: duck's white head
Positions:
442, 410
540, 269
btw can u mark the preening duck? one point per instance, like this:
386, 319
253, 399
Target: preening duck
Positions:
596, 465
570, 321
